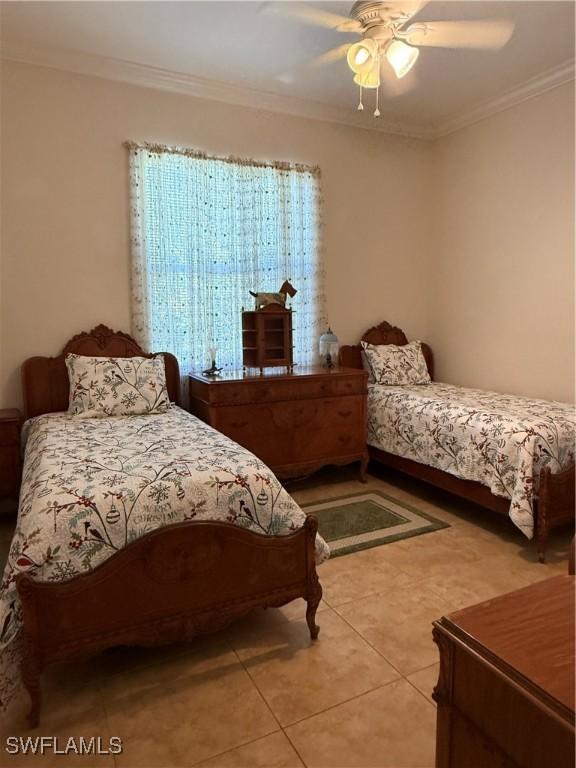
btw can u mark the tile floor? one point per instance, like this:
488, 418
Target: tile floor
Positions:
260, 694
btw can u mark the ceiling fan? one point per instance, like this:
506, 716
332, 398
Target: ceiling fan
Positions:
389, 48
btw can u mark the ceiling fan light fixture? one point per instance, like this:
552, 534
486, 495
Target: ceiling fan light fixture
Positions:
369, 79
401, 57
362, 55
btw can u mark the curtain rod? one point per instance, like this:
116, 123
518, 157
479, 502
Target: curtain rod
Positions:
198, 154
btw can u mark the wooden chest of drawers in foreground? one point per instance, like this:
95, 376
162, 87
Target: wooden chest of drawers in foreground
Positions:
295, 422
505, 693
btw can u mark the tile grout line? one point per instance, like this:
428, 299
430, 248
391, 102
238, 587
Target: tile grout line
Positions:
432, 703
250, 741
326, 709
361, 636
412, 583
255, 684
340, 703
345, 620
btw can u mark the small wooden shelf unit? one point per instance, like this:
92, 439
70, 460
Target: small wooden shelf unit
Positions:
267, 337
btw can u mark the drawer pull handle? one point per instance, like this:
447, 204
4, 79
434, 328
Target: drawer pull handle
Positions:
239, 424
344, 414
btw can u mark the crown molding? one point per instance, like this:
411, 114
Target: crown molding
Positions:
146, 76
535, 86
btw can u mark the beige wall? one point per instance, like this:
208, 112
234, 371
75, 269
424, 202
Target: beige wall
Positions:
489, 284
502, 272
65, 239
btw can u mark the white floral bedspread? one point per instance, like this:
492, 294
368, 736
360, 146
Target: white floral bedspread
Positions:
501, 441
91, 486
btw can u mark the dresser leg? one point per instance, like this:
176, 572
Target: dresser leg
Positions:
364, 470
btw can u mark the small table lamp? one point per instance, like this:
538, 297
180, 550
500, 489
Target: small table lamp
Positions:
213, 371
329, 348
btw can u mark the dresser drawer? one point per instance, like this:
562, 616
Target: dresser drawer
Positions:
270, 390
297, 429
240, 393
337, 430
329, 443
331, 385
487, 700
9, 433
262, 429
347, 412
9, 470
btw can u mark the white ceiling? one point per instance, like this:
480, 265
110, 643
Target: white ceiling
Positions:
246, 45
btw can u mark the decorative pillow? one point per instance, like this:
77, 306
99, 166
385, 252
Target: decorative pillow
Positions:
397, 365
116, 386
367, 367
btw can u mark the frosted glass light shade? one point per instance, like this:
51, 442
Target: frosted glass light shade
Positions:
361, 56
401, 57
370, 79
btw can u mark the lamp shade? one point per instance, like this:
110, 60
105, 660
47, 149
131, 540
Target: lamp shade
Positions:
370, 79
361, 56
329, 347
401, 57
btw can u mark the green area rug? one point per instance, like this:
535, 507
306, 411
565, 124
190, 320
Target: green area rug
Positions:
364, 520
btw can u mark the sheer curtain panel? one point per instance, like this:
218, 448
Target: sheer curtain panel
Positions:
206, 231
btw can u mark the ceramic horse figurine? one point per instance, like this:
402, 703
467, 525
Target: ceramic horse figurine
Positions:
264, 299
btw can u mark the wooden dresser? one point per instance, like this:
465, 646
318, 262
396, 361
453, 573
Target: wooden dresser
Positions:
295, 422
505, 693
10, 463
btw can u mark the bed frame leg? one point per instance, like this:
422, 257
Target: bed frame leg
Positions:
313, 601
311, 619
31, 680
364, 469
542, 529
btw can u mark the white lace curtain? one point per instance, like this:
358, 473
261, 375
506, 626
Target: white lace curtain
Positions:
207, 230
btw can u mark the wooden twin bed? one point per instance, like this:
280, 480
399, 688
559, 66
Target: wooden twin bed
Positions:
170, 584
556, 501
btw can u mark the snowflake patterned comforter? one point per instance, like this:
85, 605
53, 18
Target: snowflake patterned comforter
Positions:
91, 486
501, 441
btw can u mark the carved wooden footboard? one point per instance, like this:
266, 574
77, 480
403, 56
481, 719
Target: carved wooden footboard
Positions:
170, 585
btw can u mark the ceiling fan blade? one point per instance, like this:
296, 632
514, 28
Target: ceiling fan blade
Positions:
460, 34
309, 15
334, 54
411, 7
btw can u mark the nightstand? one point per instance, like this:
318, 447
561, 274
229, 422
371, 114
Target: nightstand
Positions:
10, 464
296, 422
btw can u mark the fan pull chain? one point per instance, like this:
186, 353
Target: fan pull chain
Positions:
360, 105
377, 110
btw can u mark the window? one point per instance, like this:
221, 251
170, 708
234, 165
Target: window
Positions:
206, 231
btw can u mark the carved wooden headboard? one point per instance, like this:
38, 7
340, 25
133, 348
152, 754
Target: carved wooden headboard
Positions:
351, 356
45, 385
